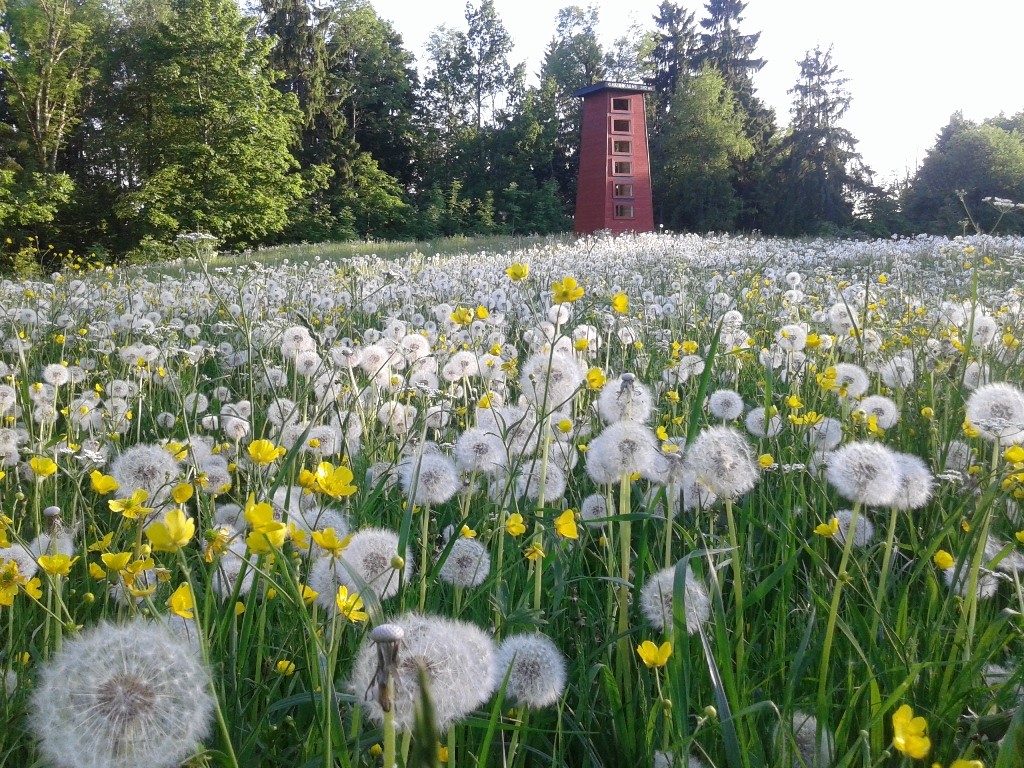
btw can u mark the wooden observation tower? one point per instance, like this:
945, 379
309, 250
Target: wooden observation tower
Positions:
614, 189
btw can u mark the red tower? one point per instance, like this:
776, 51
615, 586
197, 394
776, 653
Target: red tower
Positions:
614, 189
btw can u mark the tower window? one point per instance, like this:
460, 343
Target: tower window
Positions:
623, 190
622, 126
623, 211
622, 168
623, 147
620, 105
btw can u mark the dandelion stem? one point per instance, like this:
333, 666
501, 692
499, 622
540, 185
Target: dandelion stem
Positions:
625, 535
833, 614
737, 581
883, 577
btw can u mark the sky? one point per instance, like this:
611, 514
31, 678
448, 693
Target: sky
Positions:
910, 63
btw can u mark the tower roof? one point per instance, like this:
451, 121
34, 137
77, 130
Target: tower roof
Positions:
613, 85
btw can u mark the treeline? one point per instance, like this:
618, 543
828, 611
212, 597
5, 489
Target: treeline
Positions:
124, 124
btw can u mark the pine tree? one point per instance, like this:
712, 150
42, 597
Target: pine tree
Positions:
674, 52
821, 170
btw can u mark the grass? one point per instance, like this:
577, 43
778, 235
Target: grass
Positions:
812, 641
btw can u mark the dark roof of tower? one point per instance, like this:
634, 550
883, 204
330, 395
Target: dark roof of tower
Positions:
612, 85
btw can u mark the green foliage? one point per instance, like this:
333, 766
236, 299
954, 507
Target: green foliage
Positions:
223, 131
971, 162
702, 140
820, 171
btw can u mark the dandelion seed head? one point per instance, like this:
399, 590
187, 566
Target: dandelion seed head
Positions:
864, 473
723, 460
621, 448
456, 657
468, 564
997, 411
536, 670
725, 404
146, 467
657, 595
122, 697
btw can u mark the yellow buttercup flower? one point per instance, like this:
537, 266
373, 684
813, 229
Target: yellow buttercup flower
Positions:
263, 452
182, 492
514, 525
333, 481
620, 303
565, 525
943, 559
766, 460
596, 378
467, 532
181, 601
131, 507
42, 466
829, 529
462, 316
56, 565
518, 271
328, 539
533, 552
172, 533
1014, 454
102, 484
654, 656
909, 733
566, 291
350, 606
285, 667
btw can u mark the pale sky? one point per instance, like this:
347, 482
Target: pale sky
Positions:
910, 63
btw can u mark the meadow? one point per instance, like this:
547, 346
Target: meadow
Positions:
649, 500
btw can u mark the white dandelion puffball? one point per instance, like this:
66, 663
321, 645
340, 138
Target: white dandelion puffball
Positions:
723, 461
467, 565
429, 479
725, 404
958, 578
760, 425
151, 468
457, 658
864, 473
851, 380
916, 482
621, 449
997, 412
625, 398
803, 734
369, 559
535, 669
657, 596
884, 409
862, 535
122, 697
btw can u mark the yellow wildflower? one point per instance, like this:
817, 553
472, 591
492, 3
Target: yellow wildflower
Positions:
131, 507
518, 271
654, 655
909, 733
829, 529
335, 482
102, 484
42, 466
350, 606
172, 533
328, 540
56, 565
462, 316
181, 601
620, 303
565, 525
285, 667
566, 291
943, 559
533, 552
263, 452
514, 525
